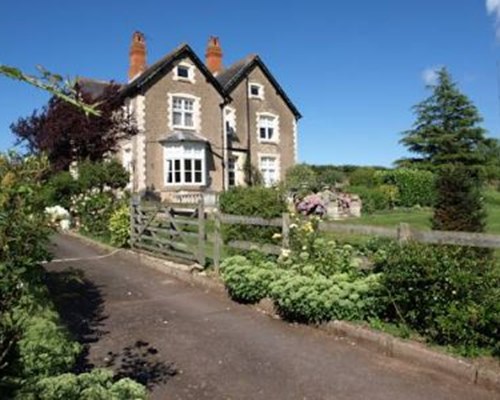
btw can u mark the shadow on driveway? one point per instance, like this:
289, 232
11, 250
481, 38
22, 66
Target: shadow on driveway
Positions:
80, 304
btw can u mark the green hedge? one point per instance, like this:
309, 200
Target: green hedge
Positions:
415, 187
448, 294
373, 199
254, 201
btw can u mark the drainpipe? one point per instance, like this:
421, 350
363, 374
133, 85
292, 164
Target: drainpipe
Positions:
249, 143
224, 148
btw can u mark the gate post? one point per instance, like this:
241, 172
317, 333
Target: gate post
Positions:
135, 203
201, 232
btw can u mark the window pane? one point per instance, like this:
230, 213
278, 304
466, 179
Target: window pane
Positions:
177, 118
270, 133
182, 72
263, 133
187, 165
197, 177
254, 90
177, 103
188, 177
188, 104
188, 119
198, 165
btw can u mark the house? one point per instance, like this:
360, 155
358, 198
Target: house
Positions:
203, 127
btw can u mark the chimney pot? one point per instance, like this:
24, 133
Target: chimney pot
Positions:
213, 56
137, 55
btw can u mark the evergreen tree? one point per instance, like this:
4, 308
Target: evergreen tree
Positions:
446, 130
448, 140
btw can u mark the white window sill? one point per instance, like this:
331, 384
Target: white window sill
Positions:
184, 128
268, 141
182, 79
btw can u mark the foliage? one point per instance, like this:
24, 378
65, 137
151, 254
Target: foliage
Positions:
95, 385
329, 177
60, 188
372, 198
247, 280
55, 84
102, 174
459, 203
448, 294
119, 226
363, 176
301, 179
66, 134
252, 201
446, 130
316, 298
94, 211
415, 187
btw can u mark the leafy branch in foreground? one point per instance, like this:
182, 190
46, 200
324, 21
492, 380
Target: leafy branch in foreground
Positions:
52, 83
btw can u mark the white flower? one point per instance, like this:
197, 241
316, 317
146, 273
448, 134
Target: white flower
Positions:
64, 224
277, 236
285, 253
293, 226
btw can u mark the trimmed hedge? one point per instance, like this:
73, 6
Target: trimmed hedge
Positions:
415, 187
256, 201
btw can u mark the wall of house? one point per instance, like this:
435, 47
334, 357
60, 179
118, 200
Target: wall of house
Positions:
158, 126
285, 147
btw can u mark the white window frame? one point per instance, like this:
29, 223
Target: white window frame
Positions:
195, 111
191, 75
230, 120
177, 154
259, 96
232, 168
276, 131
265, 174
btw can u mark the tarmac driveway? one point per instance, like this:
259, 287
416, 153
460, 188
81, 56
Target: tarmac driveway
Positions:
187, 343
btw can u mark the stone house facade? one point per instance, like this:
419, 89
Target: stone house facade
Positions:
202, 126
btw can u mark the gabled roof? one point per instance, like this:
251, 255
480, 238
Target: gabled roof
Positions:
93, 87
158, 69
232, 76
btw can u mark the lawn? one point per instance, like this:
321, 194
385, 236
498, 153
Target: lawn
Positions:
420, 217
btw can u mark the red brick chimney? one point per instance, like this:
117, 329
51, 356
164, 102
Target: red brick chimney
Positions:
213, 55
137, 55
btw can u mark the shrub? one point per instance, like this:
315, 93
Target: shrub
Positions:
373, 199
119, 226
60, 188
316, 298
415, 187
459, 202
448, 294
301, 178
252, 201
363, 176
329, 177
102, 174
94, 211
247, 281
97, 384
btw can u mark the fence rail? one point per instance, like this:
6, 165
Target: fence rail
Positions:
177, 229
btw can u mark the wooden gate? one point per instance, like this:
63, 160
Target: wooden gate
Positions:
171, 230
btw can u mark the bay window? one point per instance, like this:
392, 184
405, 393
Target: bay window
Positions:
185, 164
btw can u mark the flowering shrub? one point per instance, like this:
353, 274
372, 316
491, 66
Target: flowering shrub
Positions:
59, 217
311, 205
315, 298
119, 226
247, 281
93, 211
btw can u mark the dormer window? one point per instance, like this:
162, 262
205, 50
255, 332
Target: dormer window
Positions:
184, 72
256, 91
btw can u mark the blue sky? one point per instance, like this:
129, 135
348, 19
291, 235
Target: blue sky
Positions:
354, 69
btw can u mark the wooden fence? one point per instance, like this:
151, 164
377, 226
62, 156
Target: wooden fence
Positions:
162, 229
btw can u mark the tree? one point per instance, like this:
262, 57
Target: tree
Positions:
67, 133
446, 130
447, 139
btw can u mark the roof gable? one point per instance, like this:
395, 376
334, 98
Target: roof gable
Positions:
159, 69
232, 76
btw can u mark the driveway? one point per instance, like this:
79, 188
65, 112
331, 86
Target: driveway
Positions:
186, 343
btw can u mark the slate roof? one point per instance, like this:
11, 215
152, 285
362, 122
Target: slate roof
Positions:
155, 71
232, 76
93, 87
184, 136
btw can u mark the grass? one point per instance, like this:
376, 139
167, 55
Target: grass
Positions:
420, 218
